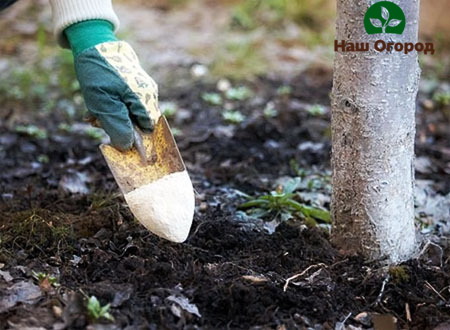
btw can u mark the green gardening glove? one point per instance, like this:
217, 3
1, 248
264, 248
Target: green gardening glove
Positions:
117, 91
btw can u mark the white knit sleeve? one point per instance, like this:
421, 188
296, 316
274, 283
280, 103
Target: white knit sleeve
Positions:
68, 12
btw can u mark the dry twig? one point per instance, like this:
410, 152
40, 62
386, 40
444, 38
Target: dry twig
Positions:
300, 274
380, 295
429, 286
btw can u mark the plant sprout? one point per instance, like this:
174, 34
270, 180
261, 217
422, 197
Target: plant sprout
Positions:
284, 90
212, 98
94, 133
442, 98
316, 110
43, 159
96, 311
176, 131
65, 127
168, 109
32, 131
238, 93
43, 277
270, 111
233, 117
281, 203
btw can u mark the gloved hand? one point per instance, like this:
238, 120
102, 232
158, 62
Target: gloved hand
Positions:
117, 91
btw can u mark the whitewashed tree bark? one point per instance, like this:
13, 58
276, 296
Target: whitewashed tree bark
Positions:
373, 127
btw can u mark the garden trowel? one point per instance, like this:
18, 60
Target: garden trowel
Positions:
154, 181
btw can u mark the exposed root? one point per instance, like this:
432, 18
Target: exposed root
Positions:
321, 265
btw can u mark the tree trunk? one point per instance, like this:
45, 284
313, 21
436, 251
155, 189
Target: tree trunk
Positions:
373, 127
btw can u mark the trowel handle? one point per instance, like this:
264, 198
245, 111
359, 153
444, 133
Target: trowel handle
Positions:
139, 144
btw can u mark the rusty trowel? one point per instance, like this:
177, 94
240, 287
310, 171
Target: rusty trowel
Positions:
153, 178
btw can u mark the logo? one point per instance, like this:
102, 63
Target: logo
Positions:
385, 17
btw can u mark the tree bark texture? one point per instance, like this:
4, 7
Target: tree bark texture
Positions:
373, 128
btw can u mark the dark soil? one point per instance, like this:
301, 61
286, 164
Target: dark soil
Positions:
232, 271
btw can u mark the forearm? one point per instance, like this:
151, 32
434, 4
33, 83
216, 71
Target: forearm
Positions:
69, 12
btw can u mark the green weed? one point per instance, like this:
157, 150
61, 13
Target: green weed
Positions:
212, 98
238, 93
442, 98
316, 110
281, 203
45, 278
176, 131
32, 131
233, 117
64, 127
43, 159
284, 90
270, 111
169, 109
95, 133
96, 311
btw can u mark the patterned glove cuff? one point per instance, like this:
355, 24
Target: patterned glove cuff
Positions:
88, 34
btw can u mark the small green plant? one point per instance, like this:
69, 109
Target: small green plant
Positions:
316, 110
66, 128
96, 311
442, 98
169, 109
100, 200
284, 90
212, 98
43, 159
94, 133
238, 93
176, 131
32, 131
233, 117
270, 111
281, 203
46, 279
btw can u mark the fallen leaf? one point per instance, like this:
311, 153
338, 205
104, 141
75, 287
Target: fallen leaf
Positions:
184, 303
75, 183
21, 292
363, 318
6, 276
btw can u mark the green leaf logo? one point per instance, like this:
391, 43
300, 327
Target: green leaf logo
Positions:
384, 17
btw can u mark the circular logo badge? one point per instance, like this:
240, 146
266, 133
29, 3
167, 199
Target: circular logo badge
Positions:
384, 17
